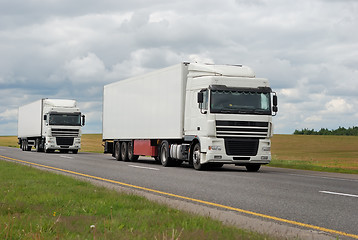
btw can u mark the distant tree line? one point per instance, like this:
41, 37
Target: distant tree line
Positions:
341, 131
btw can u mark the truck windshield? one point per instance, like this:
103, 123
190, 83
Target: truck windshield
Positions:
240, 102
65, 119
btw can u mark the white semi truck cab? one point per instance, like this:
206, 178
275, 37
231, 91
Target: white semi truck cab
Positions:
234, 124
204, 114
49, 125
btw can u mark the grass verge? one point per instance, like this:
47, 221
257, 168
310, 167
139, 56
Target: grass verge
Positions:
35, 204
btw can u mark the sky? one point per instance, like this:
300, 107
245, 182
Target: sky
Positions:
67, 49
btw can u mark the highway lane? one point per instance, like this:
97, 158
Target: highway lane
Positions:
320, 199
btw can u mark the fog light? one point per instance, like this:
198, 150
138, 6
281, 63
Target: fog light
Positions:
214, 148
264, 157
218, 157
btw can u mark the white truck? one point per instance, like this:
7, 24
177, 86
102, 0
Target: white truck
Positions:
207, 115
49, 125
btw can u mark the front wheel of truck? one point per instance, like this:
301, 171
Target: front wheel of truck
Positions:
253, 167
196, 157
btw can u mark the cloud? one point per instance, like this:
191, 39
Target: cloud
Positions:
338, 106
70, 49
85, 69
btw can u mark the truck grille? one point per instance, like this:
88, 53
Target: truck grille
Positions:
64, 141
248, 129
58, 132
241, 147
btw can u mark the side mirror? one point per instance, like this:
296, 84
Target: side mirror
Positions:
200, 97
274, 104
275, 109
275, 100
83, 120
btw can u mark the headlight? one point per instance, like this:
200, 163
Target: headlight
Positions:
266, 149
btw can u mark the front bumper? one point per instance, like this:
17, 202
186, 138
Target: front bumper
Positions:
54, 144
214, 151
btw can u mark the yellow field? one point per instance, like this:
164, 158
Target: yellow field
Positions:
92, 143
324, 153
337, 152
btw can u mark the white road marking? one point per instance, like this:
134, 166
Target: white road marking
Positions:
149, 168
341, 194
66, 157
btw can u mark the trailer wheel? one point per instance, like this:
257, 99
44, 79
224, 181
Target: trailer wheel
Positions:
117, 151
196, 157
253, 167
164, 154
131, 156
124, 151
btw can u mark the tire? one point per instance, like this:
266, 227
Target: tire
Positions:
37, 145
124, 151
253, 167
117, 151
164, 155
196, 157
75, 151
131, 157
26, 146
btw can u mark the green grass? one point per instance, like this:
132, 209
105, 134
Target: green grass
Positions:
35, 204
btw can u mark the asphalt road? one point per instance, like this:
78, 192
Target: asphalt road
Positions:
327, 201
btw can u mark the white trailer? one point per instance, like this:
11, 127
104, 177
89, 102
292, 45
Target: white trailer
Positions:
49, 125
207, 115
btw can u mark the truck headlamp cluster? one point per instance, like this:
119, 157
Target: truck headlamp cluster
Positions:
214, 148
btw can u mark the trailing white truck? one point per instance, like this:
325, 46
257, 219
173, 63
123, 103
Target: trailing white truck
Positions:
49, 125
207, 115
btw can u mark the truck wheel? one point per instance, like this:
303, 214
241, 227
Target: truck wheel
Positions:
196, 157
26, 146
37, 145
49, 150
164, 154
75, 151
131, 157
124, 151
117, 151
253, 167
